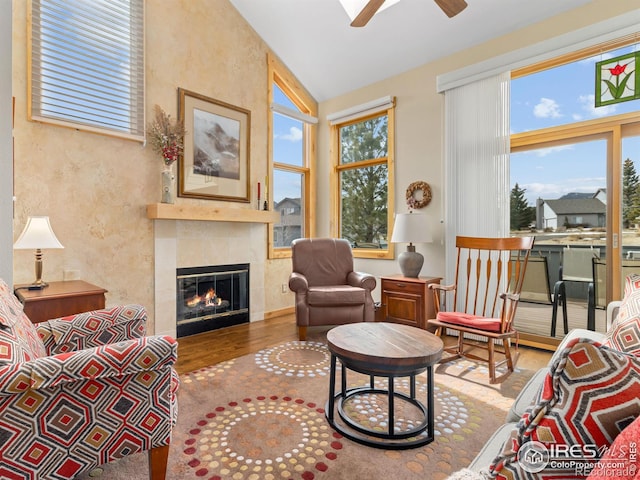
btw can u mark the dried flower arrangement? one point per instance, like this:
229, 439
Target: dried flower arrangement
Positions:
423, 198
166, 137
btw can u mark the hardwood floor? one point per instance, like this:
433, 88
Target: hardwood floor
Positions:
204, 349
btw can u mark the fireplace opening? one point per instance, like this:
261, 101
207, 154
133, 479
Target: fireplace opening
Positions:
211, 297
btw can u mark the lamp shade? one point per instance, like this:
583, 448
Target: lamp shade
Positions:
411, 228
37, 234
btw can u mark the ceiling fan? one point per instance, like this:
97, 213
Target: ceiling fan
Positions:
450, 7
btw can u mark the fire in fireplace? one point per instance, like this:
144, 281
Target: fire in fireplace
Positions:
211, 297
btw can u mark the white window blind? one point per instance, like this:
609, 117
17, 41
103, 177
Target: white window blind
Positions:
291, 113
477, 145
369, 108
87, 65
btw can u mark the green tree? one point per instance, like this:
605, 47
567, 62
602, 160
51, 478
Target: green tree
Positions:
364, 189
634, 212
521, 214
630, 193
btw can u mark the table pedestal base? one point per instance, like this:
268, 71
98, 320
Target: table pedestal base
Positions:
422, 433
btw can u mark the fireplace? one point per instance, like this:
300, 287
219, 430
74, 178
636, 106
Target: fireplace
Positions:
211, 297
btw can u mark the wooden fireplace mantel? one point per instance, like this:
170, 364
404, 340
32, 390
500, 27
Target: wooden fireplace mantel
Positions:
166, 211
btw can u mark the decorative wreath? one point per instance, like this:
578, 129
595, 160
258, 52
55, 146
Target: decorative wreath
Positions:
414, 202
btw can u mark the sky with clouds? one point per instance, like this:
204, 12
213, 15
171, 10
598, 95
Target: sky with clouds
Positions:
557, 97
287, 148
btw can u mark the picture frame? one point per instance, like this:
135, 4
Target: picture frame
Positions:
215, 164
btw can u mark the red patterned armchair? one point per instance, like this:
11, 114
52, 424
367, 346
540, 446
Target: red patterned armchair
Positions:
80, 391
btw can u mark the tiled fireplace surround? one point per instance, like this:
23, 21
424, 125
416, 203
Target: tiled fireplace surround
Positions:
187, 243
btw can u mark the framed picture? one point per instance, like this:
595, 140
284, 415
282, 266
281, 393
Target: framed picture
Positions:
215, 163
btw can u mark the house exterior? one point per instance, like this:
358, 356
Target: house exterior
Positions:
290, 226
571, 212
601, 195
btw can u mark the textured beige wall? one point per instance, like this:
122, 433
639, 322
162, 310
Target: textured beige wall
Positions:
95, 188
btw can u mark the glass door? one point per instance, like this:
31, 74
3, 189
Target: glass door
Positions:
575, 166
559, 195
630, 201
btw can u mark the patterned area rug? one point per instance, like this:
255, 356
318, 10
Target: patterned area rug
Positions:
261, 416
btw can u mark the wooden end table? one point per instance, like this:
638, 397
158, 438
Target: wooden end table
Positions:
407, 300
60, 299
380, 349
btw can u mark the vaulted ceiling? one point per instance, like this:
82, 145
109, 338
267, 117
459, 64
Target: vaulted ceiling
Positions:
314, 39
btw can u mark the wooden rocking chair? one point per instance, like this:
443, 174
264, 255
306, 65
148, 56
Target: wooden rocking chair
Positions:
489, 278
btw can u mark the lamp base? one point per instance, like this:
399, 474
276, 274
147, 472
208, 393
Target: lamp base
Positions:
410, 262
39, 284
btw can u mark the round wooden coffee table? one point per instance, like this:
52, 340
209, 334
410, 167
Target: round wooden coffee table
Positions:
390, 350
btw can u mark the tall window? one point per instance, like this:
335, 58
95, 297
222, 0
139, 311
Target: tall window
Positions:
574, 173
363, 171
292, 159
87, 65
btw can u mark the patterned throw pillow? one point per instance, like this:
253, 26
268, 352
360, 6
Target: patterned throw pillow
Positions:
631, 284
621, 461
624, 334
589, 396
19, 340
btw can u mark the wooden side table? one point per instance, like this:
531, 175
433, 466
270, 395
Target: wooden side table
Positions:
60, 299
380, 349
407, 300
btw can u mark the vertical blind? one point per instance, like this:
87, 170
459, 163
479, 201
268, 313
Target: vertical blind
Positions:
87, 65
477, 144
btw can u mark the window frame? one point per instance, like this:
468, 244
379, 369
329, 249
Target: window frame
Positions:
135, 126
337, 168
278, 74
612, 129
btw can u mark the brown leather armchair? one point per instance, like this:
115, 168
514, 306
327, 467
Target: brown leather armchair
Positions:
328, 291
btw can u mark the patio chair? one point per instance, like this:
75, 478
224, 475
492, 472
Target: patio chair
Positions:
489, 278
598, 295
577, 267
536, 289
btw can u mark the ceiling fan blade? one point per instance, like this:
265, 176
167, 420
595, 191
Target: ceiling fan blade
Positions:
451, 7
367, 13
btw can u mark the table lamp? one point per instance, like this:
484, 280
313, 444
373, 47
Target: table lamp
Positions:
37, 234
410, 228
